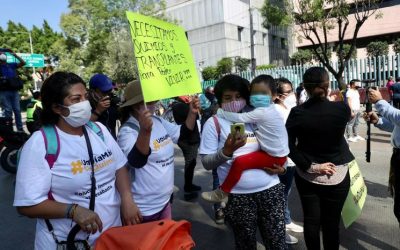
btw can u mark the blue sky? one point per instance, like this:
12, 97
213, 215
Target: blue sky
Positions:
32, 12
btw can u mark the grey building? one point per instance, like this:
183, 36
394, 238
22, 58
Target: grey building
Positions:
221, 28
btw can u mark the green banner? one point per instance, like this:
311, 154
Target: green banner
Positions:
31, 60
164, 58
356, 198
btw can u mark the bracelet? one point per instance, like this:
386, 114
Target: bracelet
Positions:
95, 113
73, 209
68, 210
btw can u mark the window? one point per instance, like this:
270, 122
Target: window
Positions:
273, 44
283, 43
264, 38
240, 31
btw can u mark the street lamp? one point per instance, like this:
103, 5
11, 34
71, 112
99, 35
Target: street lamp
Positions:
31, 45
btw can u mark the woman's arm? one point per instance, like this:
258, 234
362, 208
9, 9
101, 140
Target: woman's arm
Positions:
194, 110
213, 161
129, 211
257, 115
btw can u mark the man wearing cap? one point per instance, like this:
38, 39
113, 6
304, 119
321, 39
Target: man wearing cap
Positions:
353, 100
104, 103
9, 96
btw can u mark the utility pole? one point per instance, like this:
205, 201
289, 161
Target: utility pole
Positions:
253, 60
34, 71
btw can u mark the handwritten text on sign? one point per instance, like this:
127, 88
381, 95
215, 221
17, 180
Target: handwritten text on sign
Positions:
164, 58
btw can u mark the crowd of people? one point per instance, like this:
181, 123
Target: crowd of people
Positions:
79, 170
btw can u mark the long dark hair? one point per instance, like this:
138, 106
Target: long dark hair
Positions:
233, 83
314, 80
54, 90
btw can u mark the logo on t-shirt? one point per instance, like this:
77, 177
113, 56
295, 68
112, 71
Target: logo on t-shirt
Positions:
100, 161
161, 142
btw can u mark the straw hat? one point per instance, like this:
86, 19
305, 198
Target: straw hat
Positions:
133, 94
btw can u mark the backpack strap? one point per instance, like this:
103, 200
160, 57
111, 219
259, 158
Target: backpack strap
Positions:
217, 126
96, 128
52, 144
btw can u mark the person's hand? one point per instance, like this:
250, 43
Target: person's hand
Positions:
130, 213
353, 114
195, 105
275, 169
103, 104
232, 143
371, 117
374, 95
88, 220
145, 121
327, 168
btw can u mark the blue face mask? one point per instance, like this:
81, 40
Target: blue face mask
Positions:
260, 101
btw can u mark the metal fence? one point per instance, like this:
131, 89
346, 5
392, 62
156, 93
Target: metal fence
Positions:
379, 68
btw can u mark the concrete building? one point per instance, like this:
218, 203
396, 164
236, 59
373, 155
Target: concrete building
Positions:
386, 28
221, 28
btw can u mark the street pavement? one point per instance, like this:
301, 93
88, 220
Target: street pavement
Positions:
377, 227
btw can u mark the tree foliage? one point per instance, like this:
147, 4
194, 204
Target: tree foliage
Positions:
302, 56
378, 48
224, 66
209, 73
316, 19
396, 46
242, 64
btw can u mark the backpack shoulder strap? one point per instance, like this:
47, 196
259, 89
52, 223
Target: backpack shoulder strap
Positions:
52, 144
96, 128
131, 125
217, 126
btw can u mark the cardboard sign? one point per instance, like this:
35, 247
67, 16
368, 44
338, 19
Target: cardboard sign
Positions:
164, 58
356, 198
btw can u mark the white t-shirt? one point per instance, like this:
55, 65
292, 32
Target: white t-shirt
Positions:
252, 180
69, 181
153, 184
354, 96
270, 128
284, 112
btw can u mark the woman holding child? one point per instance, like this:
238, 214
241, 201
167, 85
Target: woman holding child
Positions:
257, 199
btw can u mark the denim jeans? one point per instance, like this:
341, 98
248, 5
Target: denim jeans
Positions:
9, 103
287, 180
215, 186
352, 125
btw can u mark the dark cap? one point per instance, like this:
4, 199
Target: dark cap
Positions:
100, 81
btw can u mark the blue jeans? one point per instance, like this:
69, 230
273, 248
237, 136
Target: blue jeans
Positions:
10, 103
215, 186
287, 180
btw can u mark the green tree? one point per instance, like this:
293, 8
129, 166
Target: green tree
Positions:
377, 48
224, 66
242, 64
266, 66
209, 73
316, 19
396, 46
346, 50
302, 56
98, 37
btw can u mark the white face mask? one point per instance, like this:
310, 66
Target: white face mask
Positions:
79, 114
290, 101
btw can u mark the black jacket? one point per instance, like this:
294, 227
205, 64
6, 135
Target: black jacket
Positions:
180, 112
318, 127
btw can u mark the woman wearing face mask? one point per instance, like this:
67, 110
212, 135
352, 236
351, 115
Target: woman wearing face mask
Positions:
322, 158
256, 198
58, 191
148, 141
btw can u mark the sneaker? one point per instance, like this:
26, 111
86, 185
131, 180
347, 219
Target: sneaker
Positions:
219, 216
352, 139
290, 239
215, 196
359, 138
192, 188
294, 227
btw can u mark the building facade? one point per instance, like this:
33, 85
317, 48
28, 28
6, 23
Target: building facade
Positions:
221, 28
386, 28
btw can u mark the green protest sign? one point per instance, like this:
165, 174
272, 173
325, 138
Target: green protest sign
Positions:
164, 58
356, 197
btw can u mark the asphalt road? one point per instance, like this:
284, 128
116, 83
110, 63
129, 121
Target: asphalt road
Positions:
377, 228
